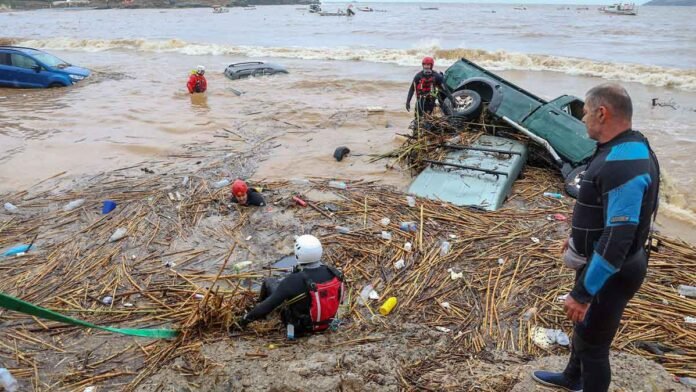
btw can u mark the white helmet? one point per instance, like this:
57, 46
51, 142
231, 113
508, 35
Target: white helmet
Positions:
200, 69
307, 249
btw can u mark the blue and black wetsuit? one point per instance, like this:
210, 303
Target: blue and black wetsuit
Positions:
611, 224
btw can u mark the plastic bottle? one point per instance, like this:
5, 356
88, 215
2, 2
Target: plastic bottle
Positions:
444, 248
553, 195
73, 205
7, 381
291, 331
221, 183
338, 184
342, 229
687, 291
118, 234
411, 201
11, 208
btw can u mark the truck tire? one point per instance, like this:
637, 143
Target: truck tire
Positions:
56, 84
467, 107
572, 181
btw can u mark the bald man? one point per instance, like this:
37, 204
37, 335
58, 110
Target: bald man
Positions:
612, 219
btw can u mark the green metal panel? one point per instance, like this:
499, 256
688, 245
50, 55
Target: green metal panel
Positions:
466, 187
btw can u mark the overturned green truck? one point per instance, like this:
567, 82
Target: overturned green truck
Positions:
468, 175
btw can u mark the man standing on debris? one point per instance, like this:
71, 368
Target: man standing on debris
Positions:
309, 297
245, 196
427, 84
612, 219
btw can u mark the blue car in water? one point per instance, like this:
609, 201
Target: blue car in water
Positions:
33, 68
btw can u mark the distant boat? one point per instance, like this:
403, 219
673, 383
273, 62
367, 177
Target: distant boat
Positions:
620, 9
315, 8
365, 9
429, 8
218, 9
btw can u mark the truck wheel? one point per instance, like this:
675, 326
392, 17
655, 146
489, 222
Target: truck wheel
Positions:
467, 106
572, 181
55, 84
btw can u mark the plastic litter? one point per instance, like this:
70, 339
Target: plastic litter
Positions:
221, 183
553, 195
545, 337
11, 208
342, 229
340, 153
688, 381
17, 250
375, 109
690, 320
556, 217
443, 329
687, 291
455, 275
291, 331
387, 306
399, 264
185, 181
444, 248
338, 184
535, 240
73, 205
118, 234
198, 296
385, 221
408, 247
299, 181
7, 381
368, 293
108, 300
248, 238
562, 298
386, 235
501, 261
90, 389
408, 226
299, 201
108, 206
242, 265
411, 201
445, 305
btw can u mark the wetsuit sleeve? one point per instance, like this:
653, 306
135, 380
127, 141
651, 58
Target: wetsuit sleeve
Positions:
283, 293
440, 80
412, 89
623, 180
255, 199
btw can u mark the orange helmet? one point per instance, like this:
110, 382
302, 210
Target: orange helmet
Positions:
239, 188
428, 61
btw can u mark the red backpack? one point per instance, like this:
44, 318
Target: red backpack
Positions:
325, 299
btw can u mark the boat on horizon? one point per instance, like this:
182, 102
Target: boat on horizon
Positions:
620, 9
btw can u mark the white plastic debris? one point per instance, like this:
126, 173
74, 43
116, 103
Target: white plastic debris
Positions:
688, 381
127, 304
242, 265
221, 183
452, 236
443, 329
375, 109
408, 247
373, 294
562, 298
455, 275
445, 305
411, 201
399, 264
11, 208
118, 234
365, 293
690, 320
501, 261
73, 205
385, 221
108, 300
248, 238
535, 240
170, 264
7, 381
444, 248
90, 389
687, 291
386, 235
545, 337
184, 181
198, 296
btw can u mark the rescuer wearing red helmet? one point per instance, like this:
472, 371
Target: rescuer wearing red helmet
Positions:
428, 85
245, 196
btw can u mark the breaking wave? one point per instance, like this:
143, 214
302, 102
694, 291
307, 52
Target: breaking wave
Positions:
684, 79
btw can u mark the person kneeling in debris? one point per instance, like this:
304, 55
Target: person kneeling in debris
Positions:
245, 196
309, 297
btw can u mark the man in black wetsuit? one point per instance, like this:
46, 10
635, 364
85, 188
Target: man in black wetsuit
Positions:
612, 220
309, 297
245, 196
428, 86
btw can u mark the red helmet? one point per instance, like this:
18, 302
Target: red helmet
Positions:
428, 61
239, 188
